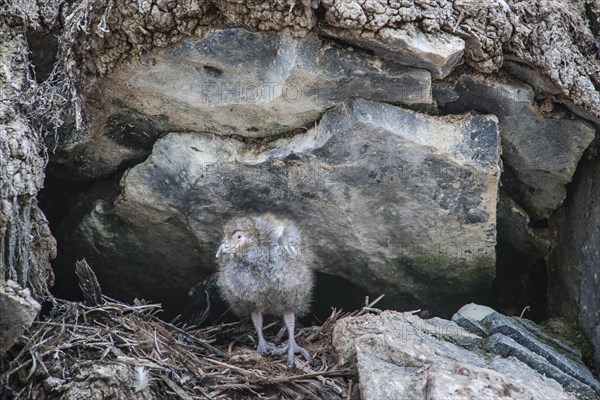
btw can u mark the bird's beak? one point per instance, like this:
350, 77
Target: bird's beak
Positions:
223, 249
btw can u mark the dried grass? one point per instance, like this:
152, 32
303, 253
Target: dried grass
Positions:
115, 350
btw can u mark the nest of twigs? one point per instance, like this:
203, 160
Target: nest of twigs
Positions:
119, 351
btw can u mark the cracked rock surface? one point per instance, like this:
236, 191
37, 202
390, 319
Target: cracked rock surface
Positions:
548, 37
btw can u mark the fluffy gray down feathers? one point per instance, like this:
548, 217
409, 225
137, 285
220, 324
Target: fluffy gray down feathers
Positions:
272, 273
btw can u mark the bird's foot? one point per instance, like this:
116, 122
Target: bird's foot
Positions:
266, 348
291, 349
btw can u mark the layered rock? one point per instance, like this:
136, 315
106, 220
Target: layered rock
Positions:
521, 339
399, 355
393, 200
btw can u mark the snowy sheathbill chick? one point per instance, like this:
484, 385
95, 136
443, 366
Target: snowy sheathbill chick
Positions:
263, 269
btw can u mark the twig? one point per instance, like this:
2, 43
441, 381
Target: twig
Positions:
341, 372
372, 310
178, 391
75, 326
203, 343
240, 370
349, 392
376, 300
369, 306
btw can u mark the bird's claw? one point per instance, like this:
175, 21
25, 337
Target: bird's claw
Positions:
294, 349
266, 348
275, 350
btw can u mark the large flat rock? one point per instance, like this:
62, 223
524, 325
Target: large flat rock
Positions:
215, 84
230, 82
392, 200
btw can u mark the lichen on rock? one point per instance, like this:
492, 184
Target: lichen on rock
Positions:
26, 245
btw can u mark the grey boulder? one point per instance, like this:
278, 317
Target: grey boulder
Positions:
392, 200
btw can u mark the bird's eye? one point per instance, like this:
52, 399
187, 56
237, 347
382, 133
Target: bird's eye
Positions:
239, 237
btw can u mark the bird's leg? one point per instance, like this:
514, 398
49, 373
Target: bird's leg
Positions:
264, 348
291, 347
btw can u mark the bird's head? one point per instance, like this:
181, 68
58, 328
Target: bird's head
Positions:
239, 236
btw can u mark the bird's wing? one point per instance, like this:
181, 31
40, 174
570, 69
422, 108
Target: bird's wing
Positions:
289, 239
283, 236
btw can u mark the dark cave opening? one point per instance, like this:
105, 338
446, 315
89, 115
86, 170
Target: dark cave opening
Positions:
58, 199
519, 288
